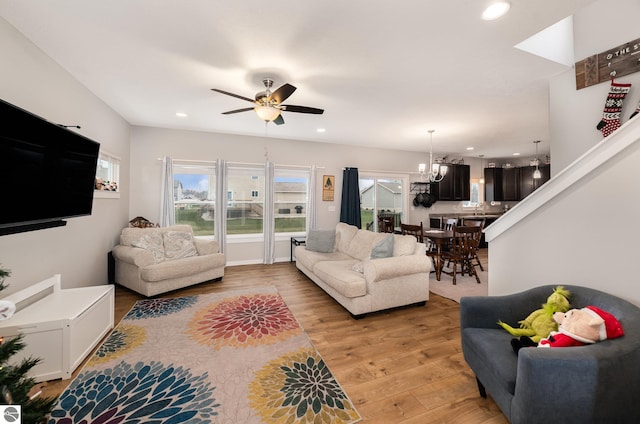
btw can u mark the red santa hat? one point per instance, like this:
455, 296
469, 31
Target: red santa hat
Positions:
611, 328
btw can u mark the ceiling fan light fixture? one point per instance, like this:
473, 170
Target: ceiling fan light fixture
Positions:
496, 10
267, 113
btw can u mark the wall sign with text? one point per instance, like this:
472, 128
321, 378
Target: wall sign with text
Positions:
615, 62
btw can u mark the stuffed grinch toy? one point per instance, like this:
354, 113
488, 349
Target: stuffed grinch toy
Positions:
577, 327
539, 324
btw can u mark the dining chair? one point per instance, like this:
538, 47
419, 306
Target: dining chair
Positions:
473, 222
418, 232
386, 224
461, 252
413, 230
449, 223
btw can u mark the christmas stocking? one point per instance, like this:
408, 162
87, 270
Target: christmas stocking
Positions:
612, 108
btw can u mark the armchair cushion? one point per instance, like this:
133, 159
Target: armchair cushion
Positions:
185, 266
178, 244
152, 243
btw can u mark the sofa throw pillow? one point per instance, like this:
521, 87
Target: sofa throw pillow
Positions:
383, 249
153, 243
179, 244
321, 241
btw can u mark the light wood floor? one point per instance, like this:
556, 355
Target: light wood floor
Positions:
400, 366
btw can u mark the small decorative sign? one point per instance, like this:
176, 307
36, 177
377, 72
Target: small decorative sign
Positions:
328, 187
601, 67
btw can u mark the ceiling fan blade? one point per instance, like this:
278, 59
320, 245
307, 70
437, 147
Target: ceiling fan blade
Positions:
237, 110
302, 109
279, 120
282, 93
233, 95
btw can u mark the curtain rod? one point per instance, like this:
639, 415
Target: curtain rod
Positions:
240, 163
191, 161
382, 172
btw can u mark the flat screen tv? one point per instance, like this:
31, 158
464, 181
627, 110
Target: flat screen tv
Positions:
47, 172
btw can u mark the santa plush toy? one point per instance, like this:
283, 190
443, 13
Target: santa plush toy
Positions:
579, 327
576, 327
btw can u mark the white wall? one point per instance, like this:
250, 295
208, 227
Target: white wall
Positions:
574, 114
586, 235
78, 251
148, 144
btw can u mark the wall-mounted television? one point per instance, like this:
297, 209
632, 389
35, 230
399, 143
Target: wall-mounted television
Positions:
47, 172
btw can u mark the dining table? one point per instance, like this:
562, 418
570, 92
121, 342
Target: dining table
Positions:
440, 237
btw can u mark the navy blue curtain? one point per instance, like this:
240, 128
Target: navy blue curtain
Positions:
350, 207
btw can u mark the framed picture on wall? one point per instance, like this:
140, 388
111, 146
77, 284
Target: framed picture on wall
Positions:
328, 187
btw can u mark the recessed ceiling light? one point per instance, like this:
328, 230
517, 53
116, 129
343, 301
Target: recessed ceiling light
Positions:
470, 148
496, 10
181, 114
516, 154
321, 130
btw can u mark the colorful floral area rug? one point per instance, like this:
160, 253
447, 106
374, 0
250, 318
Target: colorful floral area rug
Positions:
234, 357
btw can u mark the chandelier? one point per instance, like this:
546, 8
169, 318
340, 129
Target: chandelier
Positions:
436, 171
537, 174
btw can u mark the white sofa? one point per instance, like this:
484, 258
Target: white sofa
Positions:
152, 261
360, 283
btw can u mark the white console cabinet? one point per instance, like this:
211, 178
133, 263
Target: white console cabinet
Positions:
60, 326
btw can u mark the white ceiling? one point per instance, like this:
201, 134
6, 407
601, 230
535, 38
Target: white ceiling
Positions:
385, 72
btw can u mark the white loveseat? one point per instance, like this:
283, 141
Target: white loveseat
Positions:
152, 261
360, 283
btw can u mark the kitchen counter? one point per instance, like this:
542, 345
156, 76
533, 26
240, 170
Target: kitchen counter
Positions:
436, 219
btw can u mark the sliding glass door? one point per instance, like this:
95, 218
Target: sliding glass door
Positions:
381, 196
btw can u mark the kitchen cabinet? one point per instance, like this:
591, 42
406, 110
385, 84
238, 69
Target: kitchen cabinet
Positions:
511, 184
528, 184
456, 183
493, 185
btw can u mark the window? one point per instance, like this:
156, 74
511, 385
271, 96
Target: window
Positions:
195, 203
245, 213
290, 200
107, 175
194, 187
381, 196
476, 195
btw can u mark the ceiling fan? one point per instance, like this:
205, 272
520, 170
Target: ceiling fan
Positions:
268, 104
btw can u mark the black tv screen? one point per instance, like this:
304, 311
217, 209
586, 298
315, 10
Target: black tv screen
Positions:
47, 172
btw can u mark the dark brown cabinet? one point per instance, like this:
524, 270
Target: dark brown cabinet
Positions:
456, 183
512, 184
493, 185
528, 184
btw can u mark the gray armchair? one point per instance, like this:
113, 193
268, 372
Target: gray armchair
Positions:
589, 384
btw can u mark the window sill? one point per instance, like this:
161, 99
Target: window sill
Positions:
104, 194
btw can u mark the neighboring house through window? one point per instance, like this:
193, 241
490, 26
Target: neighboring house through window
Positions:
381, 195
194, 187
